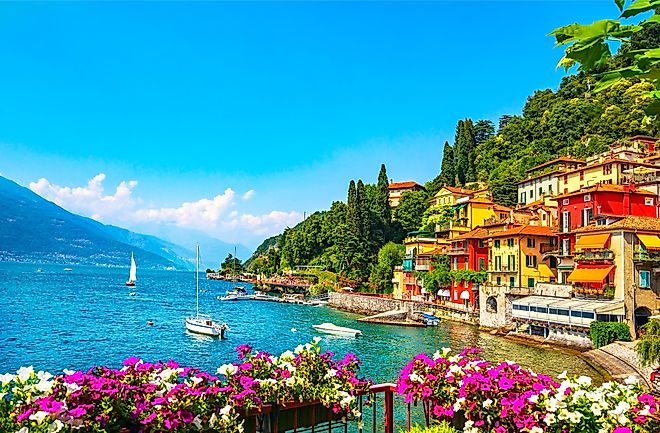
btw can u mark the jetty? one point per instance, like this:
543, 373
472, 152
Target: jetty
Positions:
393, 317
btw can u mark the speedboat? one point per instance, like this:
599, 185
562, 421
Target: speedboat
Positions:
330, 328
228, 297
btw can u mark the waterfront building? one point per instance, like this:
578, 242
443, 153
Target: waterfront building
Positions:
596, 205
420, 247
620, 260
543, 180
396, 190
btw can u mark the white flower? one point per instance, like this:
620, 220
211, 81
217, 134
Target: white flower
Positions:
287, 355
445, 351
331, 373
459, 402
24, 373
584, 380
68, 372
574, 417
227, 369
534, 398
549, 418
55, 426
44, 375
563, 375
632, 380
299, 349
536, 429
487, 403
317, 339
39, 416
44, 385
436, 355
212, 420
198, 422
469, 427
196, 380
23, 430
6, 378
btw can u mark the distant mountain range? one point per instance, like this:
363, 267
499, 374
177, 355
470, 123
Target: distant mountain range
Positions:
33, 229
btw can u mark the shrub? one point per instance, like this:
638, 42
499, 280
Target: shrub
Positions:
604, 333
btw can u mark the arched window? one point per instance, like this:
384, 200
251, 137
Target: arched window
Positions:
491, 304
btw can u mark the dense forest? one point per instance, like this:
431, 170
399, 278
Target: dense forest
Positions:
360, 238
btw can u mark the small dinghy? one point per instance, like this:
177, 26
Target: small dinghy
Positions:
329, 328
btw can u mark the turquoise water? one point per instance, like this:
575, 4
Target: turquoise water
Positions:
55, 319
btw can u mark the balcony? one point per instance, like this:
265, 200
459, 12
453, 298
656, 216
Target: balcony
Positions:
421, 267
646, 256
593, 255
548, 248
457, 251
605, 292
503, 268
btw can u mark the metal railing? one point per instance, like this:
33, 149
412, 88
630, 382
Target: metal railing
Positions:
593, 255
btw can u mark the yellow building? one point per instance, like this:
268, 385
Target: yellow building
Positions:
516, 257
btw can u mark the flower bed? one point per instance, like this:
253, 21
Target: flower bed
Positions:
508, 398
144, 397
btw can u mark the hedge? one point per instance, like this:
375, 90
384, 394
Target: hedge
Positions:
604, 333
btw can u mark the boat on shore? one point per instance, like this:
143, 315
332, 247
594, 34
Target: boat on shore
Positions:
330, 328
430, 319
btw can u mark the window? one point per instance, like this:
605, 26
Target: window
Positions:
531, 193
587, 216
562, 312
644, 279
565, 201
553, 311
588, 315
497, 243
512, 281
540, 191
455, 267
576, 313
482, 264
522, 197
530, 261
481, 243
587, 197
509, 242
511, 263
582, 175
550, 189
607, 169
648, 201
543, 310
531, 243
565, 247
530, 282
565, 179
498, 263
498, 280
565, 221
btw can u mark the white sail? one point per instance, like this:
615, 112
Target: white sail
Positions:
133, 271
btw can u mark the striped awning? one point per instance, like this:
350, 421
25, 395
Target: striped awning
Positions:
592, 242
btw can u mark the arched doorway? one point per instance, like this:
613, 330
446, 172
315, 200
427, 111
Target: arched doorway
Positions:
642, 315
491, 304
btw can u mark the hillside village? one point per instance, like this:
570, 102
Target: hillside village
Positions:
581, 245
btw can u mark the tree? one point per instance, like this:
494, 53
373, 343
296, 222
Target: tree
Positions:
410, 210
382, 206
389, 256
447, 169
231, 265
648, 347
439, 277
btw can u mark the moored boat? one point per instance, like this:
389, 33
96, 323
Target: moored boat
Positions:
203, 324
132, 273
330, 328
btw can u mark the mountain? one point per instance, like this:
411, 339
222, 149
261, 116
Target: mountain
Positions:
33, 229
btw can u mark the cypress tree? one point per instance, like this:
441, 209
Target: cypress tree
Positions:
470, 145
382, 207
462, 152
448, 167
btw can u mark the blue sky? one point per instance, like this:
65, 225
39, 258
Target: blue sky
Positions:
201, 103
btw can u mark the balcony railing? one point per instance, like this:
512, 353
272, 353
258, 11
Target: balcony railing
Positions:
548, 248
458, 251
502, 268
421, 267
605, 292
593, 255
646, 256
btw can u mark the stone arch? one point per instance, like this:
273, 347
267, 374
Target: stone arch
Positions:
642, 315
491, 304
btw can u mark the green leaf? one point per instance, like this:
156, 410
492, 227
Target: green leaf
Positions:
620, 4
640, 6
653, 109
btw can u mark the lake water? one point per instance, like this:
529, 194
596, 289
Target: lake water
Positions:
55, 319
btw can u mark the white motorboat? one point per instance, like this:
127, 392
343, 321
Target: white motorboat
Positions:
203, 324
227, 297
330, 328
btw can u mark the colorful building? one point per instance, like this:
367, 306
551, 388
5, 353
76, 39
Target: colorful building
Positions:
468, 213
619, 261
543, 180
468, 252
396, 190
594, 205
420, 247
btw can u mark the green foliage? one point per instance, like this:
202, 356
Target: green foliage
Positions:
469, 276
389, 256
408, 214
231, 265
447, 174
437, 215
441, 427
439, 277
604, 333
648, 346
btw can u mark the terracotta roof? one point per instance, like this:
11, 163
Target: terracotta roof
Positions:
457, 190
626, 223
500, 208
548, 174
525, 230
612, 160
477, 233
555, 161
602, 187
407, 184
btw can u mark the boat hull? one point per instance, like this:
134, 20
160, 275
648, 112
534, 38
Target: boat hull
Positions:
130, 283
342, 332
196, 327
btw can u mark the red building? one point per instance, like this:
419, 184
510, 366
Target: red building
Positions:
468, 251
596, 205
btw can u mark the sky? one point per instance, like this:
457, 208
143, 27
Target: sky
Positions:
239, 118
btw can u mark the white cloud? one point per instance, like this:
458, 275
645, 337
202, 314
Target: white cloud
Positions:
216, 216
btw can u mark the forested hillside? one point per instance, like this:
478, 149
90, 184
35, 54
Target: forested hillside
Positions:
352, 238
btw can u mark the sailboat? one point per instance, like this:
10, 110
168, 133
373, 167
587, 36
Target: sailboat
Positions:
203, 324
237, 292
131, 275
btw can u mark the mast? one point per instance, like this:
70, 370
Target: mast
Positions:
235, 276
197, 279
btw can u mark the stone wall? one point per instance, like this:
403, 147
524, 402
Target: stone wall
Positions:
368, 305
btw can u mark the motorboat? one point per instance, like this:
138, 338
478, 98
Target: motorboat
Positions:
330, 328
430, 319
227, 297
